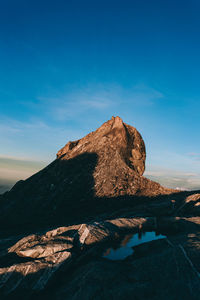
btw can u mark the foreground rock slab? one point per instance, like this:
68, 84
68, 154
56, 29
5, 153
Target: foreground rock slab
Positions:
67, 262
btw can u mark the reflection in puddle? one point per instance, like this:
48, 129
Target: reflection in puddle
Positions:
124, 249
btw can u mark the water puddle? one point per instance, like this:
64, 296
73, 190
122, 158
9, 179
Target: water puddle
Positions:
124, 248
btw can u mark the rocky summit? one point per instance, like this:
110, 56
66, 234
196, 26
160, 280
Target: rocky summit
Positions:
91, 226
96, 174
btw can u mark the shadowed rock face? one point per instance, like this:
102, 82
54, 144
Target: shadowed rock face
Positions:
96, 190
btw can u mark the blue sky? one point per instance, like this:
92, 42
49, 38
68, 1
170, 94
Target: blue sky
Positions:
68, 66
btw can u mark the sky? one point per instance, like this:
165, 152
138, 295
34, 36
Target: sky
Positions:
67, 66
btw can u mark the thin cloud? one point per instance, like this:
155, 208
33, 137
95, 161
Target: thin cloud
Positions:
194, 155
12, 125
97, 98
97, 103
174, 179
17, 158
72, 105
15, 174
144, 95
33, 140
13, 169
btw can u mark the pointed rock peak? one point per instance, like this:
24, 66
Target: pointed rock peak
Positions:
114, 142
117, 122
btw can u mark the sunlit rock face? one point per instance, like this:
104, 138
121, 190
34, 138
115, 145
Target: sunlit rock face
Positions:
113, 137
121, 154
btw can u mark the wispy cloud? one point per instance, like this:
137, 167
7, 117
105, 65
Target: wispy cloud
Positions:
194, 155
144, 95
13, 125
174, 179
97, 98
70, 105
33, 139
13, 169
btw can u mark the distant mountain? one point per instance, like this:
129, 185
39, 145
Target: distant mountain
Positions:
4, 188
5, 185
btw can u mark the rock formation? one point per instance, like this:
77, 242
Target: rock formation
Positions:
95, 173
56, 225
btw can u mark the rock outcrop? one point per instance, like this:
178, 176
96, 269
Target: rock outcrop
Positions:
68, 263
